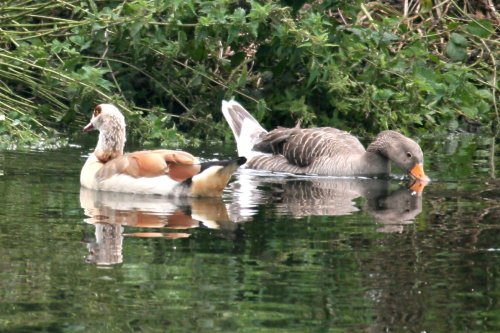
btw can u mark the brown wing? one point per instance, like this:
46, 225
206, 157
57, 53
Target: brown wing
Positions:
273, 141
301, 146
179, 165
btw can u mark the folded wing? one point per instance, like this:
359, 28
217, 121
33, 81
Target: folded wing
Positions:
301, 147
178, 165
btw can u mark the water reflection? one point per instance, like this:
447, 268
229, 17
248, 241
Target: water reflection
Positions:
392, 205
274, 273
118, 215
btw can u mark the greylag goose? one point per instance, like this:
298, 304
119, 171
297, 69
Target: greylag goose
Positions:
163, 172
322, 151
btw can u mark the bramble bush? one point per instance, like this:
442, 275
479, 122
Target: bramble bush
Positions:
168, 64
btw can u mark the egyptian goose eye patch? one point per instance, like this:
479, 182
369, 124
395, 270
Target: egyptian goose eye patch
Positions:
97, 110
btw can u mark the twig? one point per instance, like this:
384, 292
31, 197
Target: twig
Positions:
492, 158
367, 14
49, 70
414, 7
151, 78
494, 79
341, 16
492, 9
106, 49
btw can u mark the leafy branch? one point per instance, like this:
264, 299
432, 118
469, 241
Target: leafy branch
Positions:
413, 65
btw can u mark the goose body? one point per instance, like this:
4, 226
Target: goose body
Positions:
322, 151
163, 172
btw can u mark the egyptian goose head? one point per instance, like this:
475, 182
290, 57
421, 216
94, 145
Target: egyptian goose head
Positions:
110, 123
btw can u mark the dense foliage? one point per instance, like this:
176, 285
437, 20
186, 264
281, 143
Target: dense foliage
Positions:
411, 65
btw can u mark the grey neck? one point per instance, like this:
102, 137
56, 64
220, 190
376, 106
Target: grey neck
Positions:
373, 163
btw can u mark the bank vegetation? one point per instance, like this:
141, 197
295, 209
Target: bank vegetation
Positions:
415, 65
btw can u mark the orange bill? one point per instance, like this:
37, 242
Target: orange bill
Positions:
417, 172
418, 186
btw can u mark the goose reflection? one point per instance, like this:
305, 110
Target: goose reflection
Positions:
117, 215
391, 204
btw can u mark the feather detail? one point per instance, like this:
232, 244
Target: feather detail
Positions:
322, 151
178, 165
214, 177
162, 171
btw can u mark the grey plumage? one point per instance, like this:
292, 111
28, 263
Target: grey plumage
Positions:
322, 151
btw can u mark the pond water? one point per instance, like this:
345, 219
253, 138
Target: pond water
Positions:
276, 254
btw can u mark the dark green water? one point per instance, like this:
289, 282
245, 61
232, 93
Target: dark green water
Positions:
276, 254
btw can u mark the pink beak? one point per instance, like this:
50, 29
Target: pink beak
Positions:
88, 128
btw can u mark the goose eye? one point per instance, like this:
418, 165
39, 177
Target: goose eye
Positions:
97, 110
409, 155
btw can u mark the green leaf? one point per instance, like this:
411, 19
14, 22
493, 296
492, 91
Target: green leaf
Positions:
453, 124
254, 27
261, 109
237, 59
78, 40
242, 79
469, 111
485, 94
388, 37
135, 28
458, 39
456, 52
233, 33
57, 46
480, 28
425, 72
425, 6
259, 12
313, 74
239, 15
198, 53
483, 108
383, 94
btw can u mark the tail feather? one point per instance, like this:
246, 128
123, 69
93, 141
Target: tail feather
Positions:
213, 177
225, 164
246, 129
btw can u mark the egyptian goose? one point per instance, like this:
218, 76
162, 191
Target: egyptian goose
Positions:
163, 172
322, 151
